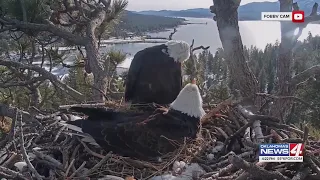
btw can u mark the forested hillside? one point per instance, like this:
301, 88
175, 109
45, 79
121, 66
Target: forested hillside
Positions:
139, 24
213, 74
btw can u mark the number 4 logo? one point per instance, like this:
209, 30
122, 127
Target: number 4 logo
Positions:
296, 149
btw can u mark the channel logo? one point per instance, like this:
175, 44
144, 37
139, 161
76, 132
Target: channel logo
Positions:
298, 16
292, 152
295, 16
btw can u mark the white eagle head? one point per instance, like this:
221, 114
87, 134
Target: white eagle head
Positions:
189, 101
178, 50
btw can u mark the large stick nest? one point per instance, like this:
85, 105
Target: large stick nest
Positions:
226, 148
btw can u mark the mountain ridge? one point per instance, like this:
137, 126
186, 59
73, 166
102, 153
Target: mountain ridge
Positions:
250, 11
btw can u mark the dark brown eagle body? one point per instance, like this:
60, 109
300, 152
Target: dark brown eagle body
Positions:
141, 136
145, 135
154, 75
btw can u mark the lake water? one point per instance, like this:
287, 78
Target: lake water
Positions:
257, 33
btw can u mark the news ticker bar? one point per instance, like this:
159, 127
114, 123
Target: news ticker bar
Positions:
280, 158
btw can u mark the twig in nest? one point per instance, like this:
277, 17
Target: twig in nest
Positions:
305, 135
53, 161
6, 176
90, 151
110, 177
59, 133
284, 126
224, 134
98, 165
12, 158
215, 110
237, 133
302, 174
45, 129
222, 162
65, 156
69, 167
243, 175
138, 163
254, 170
14, 174
292, 140
276, 136
78, 170
222, 171
232, 117
23, 150
9, 144
170, 161
81, 105
313, 165
101, 156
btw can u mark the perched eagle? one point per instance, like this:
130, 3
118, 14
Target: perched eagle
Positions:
144, 136
155, 73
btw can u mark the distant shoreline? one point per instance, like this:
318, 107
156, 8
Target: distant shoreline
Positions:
211, 18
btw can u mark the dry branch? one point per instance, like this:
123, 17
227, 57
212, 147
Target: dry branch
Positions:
23, 150
194, 63
171, 34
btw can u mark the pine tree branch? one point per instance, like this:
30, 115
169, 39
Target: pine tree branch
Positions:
106, 3
54, 79
288, 97
78, 40
22, 83
304, 75
96, 21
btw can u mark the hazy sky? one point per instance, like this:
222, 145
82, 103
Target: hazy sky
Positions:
138, 5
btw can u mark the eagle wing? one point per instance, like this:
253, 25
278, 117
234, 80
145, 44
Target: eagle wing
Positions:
169, 125
129, 139
133, 74
145, 61
178, 79
89, 111
141, 140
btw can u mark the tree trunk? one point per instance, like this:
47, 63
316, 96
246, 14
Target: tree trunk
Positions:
35, 101
35, 98
100, 79
227, 22
281, 107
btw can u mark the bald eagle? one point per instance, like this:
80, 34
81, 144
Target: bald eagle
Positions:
144, 136
155, 73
